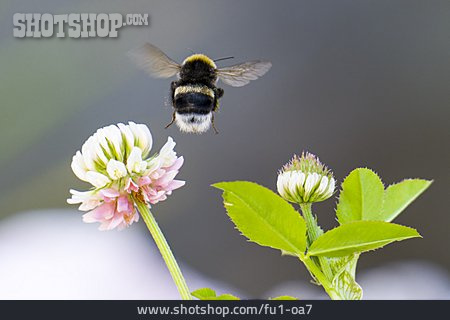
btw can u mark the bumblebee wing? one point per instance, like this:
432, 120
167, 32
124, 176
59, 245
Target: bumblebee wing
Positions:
241, 74
154, 61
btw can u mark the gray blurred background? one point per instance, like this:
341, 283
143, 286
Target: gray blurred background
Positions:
358, 83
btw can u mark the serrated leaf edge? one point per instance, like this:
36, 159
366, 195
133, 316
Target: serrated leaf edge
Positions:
296, 251
410, 201
379, 241
341, 189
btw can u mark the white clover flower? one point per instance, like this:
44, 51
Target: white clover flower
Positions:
305, 180
115, 161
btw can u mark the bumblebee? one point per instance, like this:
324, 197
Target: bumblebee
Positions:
195, 96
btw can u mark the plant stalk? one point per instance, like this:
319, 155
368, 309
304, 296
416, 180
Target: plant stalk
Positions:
314, 231
315, 270
165, 251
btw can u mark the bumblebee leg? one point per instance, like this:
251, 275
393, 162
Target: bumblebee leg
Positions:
173, 120
212, 123
219, 92
173, 86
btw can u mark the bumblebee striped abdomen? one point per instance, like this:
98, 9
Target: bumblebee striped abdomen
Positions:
194, 105
194, 99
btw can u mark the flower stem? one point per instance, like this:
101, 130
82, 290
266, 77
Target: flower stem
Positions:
165, 251
313, 233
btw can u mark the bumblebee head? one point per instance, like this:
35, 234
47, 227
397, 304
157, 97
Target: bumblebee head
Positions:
198, 68
198, 57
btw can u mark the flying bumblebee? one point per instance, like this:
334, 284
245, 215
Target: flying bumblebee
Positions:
195, 96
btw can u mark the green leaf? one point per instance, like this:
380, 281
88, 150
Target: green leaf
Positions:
347, 287
264, 217
344, 282
226, 296
359, 236
338, 265
204, 293
398, 196
284, 298
210, 294
361, 197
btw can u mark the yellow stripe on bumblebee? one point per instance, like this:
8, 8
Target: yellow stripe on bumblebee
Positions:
194, 89
200, 57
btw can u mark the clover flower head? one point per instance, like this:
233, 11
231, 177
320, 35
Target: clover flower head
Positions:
115, 161
305, 180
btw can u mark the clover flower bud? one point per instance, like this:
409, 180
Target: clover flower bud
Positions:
305, 180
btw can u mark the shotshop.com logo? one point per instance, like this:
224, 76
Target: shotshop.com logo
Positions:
74, 25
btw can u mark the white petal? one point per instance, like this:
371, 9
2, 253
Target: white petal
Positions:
168, 146
100, 154
98, 180
88, 199
301, 180
134, 161
310, 183
145, 132
322, 188
331, 186
142, 137
166, 155
78, 166
280, 186
293, 180
287, 181
116, 169
152, 165
103, 143
114, 136
78, 196
129, 138
88, 152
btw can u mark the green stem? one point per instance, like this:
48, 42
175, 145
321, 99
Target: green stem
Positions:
165, 251
315, 270
313, 233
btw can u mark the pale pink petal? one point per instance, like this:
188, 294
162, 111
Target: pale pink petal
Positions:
131, 186
103, 212
122, 226
146, 198
177, 165
89, 205
88, 218
144, 181
151, 192
157, 174
157, 194
123, 204
110, 193
116, 220
165, 179
175, 184
104, 226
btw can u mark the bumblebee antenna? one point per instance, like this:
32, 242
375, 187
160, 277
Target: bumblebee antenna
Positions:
224, 58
